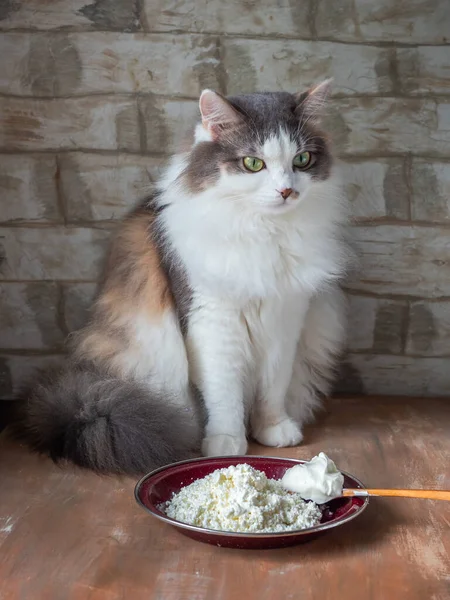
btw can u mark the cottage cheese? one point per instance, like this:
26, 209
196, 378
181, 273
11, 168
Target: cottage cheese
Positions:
241, 499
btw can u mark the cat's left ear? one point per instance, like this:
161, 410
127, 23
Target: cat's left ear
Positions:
217, 113
311, 104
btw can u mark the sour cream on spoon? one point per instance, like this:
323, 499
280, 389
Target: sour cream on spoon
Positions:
318, 480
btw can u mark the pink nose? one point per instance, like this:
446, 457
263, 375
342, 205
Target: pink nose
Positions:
286, 193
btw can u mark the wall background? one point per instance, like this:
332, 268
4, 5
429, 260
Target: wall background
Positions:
93, 96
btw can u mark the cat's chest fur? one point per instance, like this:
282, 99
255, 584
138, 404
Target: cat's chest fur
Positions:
253, 261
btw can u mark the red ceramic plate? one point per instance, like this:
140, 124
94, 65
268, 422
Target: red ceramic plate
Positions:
159, 486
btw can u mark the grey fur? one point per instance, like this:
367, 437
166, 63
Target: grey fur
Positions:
262, 115
172, 265
85, 415
103, 423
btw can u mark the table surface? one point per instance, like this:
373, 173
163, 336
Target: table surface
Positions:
71, 535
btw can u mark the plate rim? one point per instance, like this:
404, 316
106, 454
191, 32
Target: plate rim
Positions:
242, 534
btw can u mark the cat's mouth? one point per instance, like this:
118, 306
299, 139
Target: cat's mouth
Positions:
282, 205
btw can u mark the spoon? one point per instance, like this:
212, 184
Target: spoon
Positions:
430, 494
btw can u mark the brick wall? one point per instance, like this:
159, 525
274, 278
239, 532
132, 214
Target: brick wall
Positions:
93, 96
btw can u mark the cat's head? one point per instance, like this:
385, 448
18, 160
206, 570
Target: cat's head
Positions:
262, 150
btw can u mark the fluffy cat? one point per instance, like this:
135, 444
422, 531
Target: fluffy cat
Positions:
220, 315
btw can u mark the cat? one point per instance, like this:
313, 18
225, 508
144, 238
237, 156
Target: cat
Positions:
220, 315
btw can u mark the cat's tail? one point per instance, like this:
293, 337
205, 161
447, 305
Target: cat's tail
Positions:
105, 424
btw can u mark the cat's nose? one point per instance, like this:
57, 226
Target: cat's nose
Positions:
286, 193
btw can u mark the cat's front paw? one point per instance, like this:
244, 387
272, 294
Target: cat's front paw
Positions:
283, 434
224, 445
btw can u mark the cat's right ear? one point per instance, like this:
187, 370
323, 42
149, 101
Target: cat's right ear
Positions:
217, 113
311, 104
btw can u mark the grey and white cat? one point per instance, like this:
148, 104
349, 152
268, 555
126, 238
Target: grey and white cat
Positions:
220, 315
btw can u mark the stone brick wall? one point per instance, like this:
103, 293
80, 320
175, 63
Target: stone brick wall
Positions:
95, 93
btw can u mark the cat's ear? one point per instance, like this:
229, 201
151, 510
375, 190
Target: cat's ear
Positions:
217, 113
311, 104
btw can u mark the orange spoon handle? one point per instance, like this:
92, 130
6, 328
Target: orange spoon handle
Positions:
429, 494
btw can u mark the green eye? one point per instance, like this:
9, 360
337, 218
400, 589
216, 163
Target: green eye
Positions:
303, 160
253, 164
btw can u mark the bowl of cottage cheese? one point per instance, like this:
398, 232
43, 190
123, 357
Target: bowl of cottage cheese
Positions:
251, 501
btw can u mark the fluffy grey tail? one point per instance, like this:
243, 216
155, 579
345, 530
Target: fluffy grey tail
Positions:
104, 424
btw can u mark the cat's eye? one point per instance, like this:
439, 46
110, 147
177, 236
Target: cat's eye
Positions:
303, 160
253, 164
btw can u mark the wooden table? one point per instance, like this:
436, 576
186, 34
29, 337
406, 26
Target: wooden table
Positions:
68, 535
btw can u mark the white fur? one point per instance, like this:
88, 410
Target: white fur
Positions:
155, 355
160, 341
267, 315
233, 249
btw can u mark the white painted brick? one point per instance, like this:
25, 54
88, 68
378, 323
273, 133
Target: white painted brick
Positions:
36, 14
376, 188
289, 65
28, 188
29, 316
180, 65
398, 375
410, 21
169, 125
375, 324
96, 122
78, 299
424, 70
380, 125
96, 187
70, 14
51, 253
429, 329
16, 48
79, 57
59, 64
265, 17
16, 372
430, 191
402, 260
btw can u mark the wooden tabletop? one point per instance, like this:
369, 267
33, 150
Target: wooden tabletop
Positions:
67, 535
